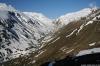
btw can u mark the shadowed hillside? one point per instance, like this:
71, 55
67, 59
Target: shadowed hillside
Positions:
89, 59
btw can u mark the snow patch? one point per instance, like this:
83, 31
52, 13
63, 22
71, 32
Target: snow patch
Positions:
71, 33
90, 22
40, 52
55, 40
92, 44
81, 27
47, 39
88, 51
70, 51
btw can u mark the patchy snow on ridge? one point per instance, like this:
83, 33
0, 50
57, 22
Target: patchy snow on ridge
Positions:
55, 40
40, 52
81, 27
71, 33
47, 39
90, 22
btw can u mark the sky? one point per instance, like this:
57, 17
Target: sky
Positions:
51, 8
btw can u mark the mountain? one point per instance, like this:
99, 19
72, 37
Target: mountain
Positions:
31, 39
21, 32
74, 16
73, 38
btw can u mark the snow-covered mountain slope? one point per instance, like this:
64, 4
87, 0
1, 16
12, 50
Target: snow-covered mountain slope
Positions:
43, 19
21, 33
38, 16
74, 16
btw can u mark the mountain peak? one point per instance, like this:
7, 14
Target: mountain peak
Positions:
40, 17
74, 16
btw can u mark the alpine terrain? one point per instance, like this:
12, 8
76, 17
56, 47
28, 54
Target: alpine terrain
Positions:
31, 39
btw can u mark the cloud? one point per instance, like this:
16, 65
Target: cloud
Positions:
92, 4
